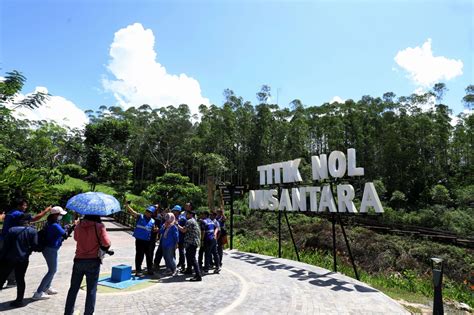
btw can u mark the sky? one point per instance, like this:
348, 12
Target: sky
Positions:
89, 53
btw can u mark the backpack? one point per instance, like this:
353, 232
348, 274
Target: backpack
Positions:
42, 234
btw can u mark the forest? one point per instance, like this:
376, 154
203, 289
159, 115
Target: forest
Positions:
419, 156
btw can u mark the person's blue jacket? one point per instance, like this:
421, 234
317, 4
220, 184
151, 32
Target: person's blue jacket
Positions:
182, 223
54, 235
19, 243
11, 220
171, 239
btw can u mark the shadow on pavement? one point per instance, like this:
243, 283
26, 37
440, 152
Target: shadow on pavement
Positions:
5, 306
320, 280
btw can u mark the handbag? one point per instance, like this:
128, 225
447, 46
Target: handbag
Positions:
100, 253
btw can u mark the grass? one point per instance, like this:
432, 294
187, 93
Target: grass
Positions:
106, 289
407, 286
72, 184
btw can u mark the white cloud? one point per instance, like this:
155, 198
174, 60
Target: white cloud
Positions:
141, 79
56, 108
455, 119
336, 99
424, 69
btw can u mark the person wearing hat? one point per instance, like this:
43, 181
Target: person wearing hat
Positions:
181, 220
192, 239
143, 238
55, 235
14, 256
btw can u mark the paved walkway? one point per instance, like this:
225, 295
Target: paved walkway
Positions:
248, 284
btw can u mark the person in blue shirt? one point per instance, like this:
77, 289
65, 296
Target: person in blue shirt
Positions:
143, 237
209, 237
155, 231
55, 235
169, 241
11, 219
222, 238
159, 252
181, 220
14, 256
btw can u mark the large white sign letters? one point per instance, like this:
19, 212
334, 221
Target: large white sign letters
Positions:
321, 199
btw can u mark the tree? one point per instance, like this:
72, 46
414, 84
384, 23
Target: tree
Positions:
468, 99
440, 195
439, 89
171, 189
12, 85
264, 94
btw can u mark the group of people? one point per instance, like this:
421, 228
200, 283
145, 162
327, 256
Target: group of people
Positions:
18, 239
170, 229
179, 229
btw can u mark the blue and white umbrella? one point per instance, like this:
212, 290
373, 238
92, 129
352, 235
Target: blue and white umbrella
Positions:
94, 203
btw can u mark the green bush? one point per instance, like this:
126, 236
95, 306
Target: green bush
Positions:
73, 170
440, 195
465, 196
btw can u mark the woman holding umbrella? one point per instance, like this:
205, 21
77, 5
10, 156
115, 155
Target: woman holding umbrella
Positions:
143, 238
91, 237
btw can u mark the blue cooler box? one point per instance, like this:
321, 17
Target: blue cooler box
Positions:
121, 273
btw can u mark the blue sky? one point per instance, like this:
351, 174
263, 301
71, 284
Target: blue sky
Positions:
310, 50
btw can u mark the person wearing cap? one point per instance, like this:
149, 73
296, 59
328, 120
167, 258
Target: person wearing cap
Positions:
192, 239
11, 219
181, 220
14, 256
143, 238
55, 235
209, 236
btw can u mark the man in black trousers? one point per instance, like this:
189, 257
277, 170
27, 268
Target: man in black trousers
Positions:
192, 239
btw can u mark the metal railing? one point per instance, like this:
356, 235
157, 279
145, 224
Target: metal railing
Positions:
125, 218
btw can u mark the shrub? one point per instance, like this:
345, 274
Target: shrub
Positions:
73, 170
440, 195
398, 199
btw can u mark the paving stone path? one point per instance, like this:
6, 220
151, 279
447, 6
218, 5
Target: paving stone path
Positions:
248, 284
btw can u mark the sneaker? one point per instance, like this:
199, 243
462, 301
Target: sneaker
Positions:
40, 296
195, 279
175, 273
51, 291
217, 270
17, 304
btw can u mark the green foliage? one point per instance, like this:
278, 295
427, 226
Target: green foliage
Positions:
398, 199
465, 196
25, 183
11, 85
380, 188
440, 195
73, 170
171, 189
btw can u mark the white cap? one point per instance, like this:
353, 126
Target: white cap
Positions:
58, 209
